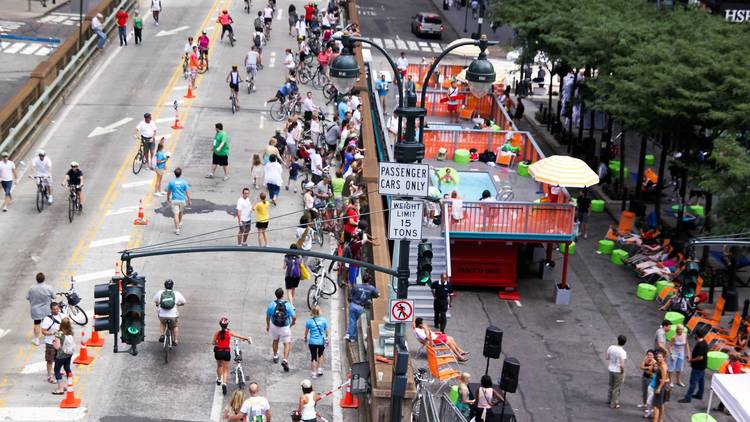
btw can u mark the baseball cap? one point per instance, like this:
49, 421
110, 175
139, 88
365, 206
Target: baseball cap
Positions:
306, 383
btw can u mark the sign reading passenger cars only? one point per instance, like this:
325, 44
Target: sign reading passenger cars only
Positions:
404, 179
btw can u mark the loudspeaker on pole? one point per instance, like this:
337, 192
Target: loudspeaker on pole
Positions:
509, 376
493, 342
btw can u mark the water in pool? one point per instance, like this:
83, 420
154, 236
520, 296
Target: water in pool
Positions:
470, 185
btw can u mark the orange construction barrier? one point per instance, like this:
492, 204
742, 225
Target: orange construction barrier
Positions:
70, 401
141, 220
95, 340
177, 124
83, 357
190, 91
349, 401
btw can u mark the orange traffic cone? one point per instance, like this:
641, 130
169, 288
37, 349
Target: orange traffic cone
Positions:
140, 221
349, 401
177, 124
95, 340
190, 91
83, 357
70, 401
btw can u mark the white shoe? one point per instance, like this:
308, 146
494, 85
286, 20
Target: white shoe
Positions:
226, 178
176, 231
50, 200
35, 341
320, 372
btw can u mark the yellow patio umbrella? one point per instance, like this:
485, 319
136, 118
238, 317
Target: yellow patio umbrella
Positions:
564, 171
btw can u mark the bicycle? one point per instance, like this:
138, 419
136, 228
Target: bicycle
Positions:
239, 373
247, 6
318, 78
185, 66
323, 285
167, 339
292, 106
70, 307
42, 184
140, 157
233, 99
330, 93
420, 381
202, 61
73, 205
267, 32
250, 79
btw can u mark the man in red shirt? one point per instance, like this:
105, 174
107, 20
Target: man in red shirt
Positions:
122, 21
352, 219
309, 12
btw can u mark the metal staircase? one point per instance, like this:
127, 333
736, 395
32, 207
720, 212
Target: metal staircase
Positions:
422, 295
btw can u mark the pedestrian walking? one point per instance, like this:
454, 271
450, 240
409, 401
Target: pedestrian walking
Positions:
402, 64
648, 366
307, 401
292, 273
660, 387
381, 85
698, 363
292, 13
244, 211
255, 407
50, 324
272, 178
155, 10
178, 196
583, 210
223, 353
96, 27
256, 170
616, 356
220, 156
520, 109
235, 404
280, 317
161, 165
40, 297
65, 346
316, 336
122, 26
678, 353
261, 217
8, 176
137, 28
359, 297
442, 296
294, 167
487, 398
660, 339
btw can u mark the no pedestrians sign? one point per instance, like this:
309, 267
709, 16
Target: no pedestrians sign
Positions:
402, 310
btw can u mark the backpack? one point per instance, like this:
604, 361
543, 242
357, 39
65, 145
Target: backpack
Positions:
279, 314
256, 40
69, 345
167, 299
292, 267
258, 23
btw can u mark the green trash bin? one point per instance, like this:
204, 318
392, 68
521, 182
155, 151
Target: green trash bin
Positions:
523, 169
571, 249
702, 417
650, 160
461, 156
675, 318
597, 205
715, 359
619, 256
606, 247
646, 291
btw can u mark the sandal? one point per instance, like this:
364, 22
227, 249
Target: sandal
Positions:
58, 393
51, 380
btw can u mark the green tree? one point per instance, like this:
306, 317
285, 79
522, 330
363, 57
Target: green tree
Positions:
730, 180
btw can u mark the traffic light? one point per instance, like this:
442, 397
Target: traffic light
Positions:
107, 311
424, 262
133, 309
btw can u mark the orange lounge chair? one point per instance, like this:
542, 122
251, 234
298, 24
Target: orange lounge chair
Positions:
722, 335
713, 320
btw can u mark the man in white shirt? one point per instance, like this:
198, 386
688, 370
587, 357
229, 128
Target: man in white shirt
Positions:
96, 26
301, 27
254, 408
43, 169
251, 65
146, 129
167, 300
616, 356
50, 324
402, 64
308, 107
7, 177
316, 165
244, 211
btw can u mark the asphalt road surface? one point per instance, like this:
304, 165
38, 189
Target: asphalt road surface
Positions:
115, 92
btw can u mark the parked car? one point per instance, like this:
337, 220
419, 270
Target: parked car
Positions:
427, 23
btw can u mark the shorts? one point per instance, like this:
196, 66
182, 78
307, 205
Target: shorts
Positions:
203, 51
76, 188
49, 353
220, 160
281, 97
282, 334
7, 185
193, 73
252, 69
291, 282
234, 87
316, 351
267, 21
226, 28
661, 398
581, 217
273, 190
452, 107
37, 321
675, 364
148, 144
159, 171
403, 72
307, 115
441, 338
245, 226
315, 178
353, 273
178, 207
175, 321
261, 225
222, 354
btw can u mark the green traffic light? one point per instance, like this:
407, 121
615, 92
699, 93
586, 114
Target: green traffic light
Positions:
133, 330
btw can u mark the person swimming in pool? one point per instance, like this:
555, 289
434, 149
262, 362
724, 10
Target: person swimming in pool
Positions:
448, 177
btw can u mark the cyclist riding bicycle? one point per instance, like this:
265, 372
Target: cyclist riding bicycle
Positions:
226, 24
268, 15
289, 88
203, 43
146, 130
251, 64
167, 300
74, 181
233, 78
304, 50
259, 40
188, 47
43, 170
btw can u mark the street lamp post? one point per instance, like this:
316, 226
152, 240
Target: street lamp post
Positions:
344, 72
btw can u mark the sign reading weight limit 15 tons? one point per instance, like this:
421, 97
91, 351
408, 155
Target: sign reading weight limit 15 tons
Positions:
404, 179
405, 220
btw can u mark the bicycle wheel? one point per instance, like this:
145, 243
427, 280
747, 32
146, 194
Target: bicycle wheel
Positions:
240, 376
304, 76
277, 111
318, 232
72, 205
167, 344
202, 66
327, 286
40, 197
297, 108
313, 295
329, 91
138, 161
234, 105
77, 315
320, 80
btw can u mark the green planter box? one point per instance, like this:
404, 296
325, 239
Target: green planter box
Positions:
619, 256
597, 205
606, 247
715, 359
675, 318
461, 156
646, 291
697, 210
702, 417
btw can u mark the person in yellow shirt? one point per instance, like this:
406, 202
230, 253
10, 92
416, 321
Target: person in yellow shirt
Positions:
261, 215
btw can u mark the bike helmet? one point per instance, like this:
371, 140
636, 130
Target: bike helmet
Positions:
41, 153
224, 322
300, 38
309, 185
168, 284
73, 164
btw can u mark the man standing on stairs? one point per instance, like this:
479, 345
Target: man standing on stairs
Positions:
441, 292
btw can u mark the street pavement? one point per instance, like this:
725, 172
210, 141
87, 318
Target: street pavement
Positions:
118, 89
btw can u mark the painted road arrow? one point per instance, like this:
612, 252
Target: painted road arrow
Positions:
110, 128
171, 31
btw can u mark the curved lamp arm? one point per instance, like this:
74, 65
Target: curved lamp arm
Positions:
349, 40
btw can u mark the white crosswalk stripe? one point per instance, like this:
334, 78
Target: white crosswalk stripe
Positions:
30, 49
419, 46
378, 41
389, 44
60, 18
9, 26
26, 48
413, 45
401, 44
14, 48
